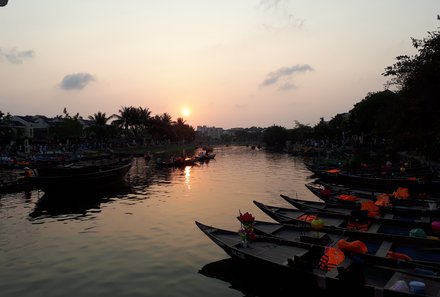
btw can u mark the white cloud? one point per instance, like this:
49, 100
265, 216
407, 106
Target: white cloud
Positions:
15, 56
283, 76
76, 81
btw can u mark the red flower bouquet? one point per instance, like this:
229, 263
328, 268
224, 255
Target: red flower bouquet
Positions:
246, 231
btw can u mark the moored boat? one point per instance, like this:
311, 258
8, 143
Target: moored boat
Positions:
422, 215
14, 186
355, 221
396, 247
330, 269
349, 195
81, 177
176, 162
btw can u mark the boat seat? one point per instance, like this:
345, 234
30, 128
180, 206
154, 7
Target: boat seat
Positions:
335, 272
425, 219
383, 249
388, 216
374, 228
293, 261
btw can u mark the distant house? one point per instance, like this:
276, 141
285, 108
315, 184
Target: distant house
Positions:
38, 126
31, 126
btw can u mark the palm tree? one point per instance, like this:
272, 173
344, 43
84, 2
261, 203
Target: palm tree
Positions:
125, 118
99, 118
183, 131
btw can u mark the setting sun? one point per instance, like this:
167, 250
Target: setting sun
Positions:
186, 111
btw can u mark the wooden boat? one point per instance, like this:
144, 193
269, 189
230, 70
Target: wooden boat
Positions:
362, 275
14, 186
205, 156
423, 216
418, 250
394, 170
414, 183
348, 195
249, 281
177, 162
336, 220
81, 177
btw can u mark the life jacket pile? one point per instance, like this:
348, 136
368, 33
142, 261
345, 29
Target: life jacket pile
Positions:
331, 258
383, 200
401, 193
371, 207
356, 246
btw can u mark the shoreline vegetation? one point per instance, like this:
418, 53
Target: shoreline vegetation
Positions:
139, 151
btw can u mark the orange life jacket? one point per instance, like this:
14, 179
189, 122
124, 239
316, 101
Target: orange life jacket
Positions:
307, 218
353, 225
373, 210
398, 256
356, 246
383, 200
348, 197
331, 258
333, 171
358, 220
401, 193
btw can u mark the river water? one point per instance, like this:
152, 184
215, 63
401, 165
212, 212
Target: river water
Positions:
142, 240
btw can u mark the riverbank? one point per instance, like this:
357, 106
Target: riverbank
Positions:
139, 151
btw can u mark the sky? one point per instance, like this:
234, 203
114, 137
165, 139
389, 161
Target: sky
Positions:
229, 63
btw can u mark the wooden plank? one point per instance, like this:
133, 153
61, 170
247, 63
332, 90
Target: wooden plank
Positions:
384, 248
374, 227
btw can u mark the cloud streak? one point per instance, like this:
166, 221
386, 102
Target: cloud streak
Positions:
283, 76
76, 81
278, 15
15, 56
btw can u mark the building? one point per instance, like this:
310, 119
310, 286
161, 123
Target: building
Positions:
210, 132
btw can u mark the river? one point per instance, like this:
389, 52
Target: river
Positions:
142, 240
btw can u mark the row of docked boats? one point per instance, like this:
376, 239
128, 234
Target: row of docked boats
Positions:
347, 241
86, 174
420, 179
71, 178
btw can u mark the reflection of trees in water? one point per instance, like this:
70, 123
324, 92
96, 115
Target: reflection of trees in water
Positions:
78, 206
254, 281
144, 173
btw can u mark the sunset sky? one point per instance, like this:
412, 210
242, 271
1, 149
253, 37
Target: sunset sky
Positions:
228, 63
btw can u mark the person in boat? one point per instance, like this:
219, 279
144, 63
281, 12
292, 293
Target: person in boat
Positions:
27, 172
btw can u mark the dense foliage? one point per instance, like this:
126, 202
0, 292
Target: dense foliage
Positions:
404, 119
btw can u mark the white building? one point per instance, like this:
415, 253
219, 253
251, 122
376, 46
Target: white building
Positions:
212, 132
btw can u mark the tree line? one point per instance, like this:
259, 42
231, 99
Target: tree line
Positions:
130, 125
406, 118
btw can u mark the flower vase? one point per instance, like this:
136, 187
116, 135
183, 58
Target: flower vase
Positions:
244, 242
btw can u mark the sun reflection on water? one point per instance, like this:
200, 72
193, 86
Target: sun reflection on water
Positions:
188, 177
